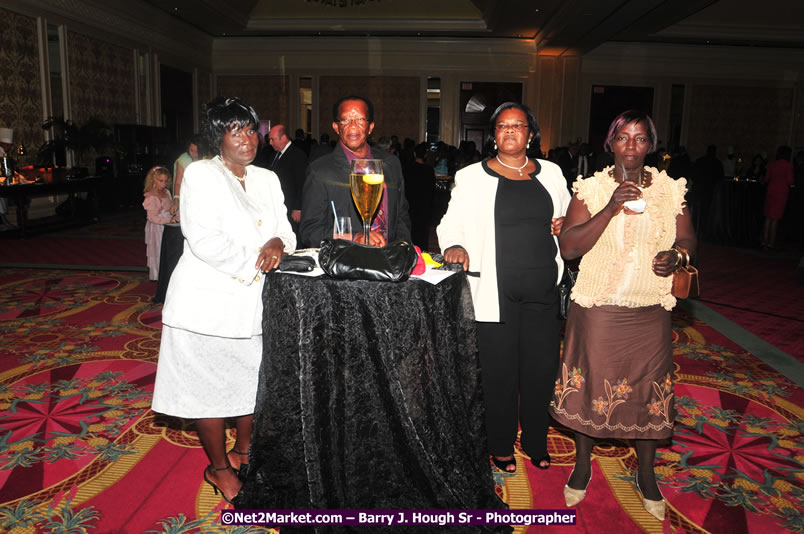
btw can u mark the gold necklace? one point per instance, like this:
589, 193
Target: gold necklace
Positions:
642, 177
236, 177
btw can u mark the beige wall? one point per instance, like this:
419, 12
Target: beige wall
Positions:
393, 99
557, 88
749, 98
393, 70
556, 100
268, 95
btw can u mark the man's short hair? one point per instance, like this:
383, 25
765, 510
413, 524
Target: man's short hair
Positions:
337, 107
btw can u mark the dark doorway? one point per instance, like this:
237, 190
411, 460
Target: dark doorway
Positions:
478, 102
608, 101
177, 103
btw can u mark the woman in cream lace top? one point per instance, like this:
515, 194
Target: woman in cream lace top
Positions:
631, 225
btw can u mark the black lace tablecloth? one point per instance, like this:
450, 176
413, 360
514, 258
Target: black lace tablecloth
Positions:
369, 398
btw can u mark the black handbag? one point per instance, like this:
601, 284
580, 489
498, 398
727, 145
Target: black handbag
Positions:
564, 290
299, 264
353, 261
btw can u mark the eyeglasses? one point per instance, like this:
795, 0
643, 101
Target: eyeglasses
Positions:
623, 139
515, 126
361, 122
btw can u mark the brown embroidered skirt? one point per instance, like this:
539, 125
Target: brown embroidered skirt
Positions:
616, 373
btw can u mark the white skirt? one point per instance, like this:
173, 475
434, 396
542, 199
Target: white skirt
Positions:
202, 376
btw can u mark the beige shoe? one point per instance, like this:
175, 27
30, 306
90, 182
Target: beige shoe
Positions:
574, 496
657, 509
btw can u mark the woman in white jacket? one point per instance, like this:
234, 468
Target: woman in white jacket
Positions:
235, 227
501, 225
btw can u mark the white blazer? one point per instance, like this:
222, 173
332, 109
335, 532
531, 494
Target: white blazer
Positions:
469, 223
215, 289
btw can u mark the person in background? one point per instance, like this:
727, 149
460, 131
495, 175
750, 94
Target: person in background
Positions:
322, 148
289, 164
680, 164
235, 227
501, 226
384, 143
707, 172
180, 165
157, 204
582, 161
406, 155
302, 141
730, 164
779, 179
6, 144
631, 225
420, 190
265, 153
396, 146
327, 181
467, 155
756, 171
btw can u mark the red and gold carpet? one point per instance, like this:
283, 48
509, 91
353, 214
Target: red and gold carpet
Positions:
80, 450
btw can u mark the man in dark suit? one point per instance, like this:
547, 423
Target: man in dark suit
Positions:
289, 164
328, 181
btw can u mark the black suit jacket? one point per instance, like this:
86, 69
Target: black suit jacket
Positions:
290, 168
328, 180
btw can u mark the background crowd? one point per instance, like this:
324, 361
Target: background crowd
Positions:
429, 168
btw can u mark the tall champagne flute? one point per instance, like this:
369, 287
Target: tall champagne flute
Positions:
366, 180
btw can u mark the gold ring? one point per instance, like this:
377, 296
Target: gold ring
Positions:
274, 257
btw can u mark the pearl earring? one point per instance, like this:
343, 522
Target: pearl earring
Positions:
528, 144
495, 145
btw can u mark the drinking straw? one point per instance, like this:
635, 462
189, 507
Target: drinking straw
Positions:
338, 226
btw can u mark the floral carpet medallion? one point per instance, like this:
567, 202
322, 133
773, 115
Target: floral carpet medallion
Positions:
56, 422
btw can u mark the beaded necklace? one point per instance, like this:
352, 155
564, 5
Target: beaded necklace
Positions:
644, 178
518, 169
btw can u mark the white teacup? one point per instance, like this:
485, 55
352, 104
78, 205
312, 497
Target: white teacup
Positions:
636, 206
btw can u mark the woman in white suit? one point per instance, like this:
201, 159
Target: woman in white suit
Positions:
501, 225
235, 228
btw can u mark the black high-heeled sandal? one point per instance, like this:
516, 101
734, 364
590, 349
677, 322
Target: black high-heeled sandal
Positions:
543, 459
214, 487
503, 465
243, 469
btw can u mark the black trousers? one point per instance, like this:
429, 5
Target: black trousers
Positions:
519, 360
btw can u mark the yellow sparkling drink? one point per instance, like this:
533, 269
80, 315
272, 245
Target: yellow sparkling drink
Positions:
366, 193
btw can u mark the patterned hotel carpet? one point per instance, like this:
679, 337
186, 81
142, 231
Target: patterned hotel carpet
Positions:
758, 291
80, 451
117, 242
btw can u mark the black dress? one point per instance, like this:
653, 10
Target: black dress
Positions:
519, 355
